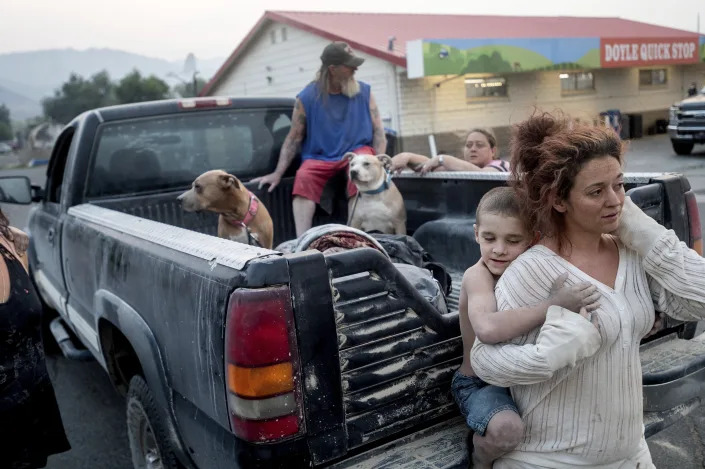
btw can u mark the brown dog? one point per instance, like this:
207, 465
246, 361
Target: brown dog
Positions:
243, 217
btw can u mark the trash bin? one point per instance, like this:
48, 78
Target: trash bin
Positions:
636, 125
391, 141
624, 129
612, 118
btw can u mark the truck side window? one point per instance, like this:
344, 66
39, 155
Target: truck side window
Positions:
57, 165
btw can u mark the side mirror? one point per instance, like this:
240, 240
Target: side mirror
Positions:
37, 193
15, 190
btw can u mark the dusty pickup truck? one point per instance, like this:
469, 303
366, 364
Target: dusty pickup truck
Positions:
686, 123
236, 356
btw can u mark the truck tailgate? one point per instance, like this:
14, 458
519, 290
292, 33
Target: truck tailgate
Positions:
395, 374
674, 367
441, 446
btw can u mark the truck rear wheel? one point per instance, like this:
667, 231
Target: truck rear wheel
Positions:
145, 431
682, 148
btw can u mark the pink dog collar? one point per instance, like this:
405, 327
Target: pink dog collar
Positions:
249, 216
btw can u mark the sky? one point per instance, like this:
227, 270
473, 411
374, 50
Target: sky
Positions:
170, 29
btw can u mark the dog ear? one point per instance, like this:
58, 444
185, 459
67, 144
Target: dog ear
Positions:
349, 156
228, 180
386, 161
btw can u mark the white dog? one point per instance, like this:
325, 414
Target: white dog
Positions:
378, 205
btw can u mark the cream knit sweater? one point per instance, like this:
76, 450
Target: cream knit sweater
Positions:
578, 389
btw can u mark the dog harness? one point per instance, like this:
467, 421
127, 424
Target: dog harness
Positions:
249, 216
385, 185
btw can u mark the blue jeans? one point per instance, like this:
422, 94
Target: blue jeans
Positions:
479, 401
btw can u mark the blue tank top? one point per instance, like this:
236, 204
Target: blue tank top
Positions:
336, 125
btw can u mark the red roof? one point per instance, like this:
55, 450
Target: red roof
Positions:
370, 32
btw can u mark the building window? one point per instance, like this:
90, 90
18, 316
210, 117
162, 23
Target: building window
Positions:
273, 36
577, 83
283, 34
485, 88
653, 77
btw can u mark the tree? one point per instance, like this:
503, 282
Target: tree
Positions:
134, 89
5, 131
5, 124
78, 95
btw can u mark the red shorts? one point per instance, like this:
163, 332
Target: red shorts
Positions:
313, 175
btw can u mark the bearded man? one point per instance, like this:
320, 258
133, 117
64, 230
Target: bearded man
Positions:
333, 115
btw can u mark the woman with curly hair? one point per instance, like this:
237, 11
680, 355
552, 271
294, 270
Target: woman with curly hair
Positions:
578, 385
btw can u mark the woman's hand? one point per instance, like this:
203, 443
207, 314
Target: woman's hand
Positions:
431, 164
583, 295
590, 316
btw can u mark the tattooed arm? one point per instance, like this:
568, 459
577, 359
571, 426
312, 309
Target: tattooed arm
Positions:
379, 141
290, 147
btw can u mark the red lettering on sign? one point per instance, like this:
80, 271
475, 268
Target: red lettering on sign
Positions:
629, 52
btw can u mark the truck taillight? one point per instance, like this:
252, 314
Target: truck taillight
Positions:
696, 236
262, 365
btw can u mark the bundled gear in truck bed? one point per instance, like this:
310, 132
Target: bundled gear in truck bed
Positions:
415, 264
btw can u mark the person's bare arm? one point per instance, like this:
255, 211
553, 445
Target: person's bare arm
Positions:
466, 331
291, 146
379, 140
409, 160
450, 163
492, 326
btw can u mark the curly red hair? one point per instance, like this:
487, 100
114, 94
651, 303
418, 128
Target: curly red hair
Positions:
547, 153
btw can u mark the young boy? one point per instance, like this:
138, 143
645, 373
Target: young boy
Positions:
494, 421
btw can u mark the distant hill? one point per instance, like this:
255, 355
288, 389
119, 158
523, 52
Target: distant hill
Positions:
21, 107
27, 77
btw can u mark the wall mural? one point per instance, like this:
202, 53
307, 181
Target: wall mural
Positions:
429, 57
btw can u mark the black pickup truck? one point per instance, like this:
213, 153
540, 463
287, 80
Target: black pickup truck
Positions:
237, 356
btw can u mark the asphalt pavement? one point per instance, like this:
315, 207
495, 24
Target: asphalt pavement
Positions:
94, 414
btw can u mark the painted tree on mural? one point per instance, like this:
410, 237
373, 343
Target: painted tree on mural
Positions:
482, 64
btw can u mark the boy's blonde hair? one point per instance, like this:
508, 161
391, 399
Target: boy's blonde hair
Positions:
500, 201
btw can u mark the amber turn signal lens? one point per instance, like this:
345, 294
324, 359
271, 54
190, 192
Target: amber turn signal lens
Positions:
261, 381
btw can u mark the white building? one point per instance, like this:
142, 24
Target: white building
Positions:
635, 67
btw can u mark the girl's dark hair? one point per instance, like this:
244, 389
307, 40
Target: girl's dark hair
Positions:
547, 153
487, 133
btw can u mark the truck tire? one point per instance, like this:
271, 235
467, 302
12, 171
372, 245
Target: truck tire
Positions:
682, 148
145, 431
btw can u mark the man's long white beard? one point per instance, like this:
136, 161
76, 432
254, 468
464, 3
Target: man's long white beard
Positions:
350, 87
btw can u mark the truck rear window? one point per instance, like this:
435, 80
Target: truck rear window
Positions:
169, 152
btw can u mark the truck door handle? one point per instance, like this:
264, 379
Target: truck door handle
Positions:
50, 235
